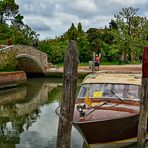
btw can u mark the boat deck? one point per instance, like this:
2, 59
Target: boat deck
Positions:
108, 111
113, 78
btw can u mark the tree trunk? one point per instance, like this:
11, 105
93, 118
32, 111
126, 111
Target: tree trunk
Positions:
68, 96
121, 56
125, 56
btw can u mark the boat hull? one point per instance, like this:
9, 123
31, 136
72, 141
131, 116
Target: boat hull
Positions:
109, 130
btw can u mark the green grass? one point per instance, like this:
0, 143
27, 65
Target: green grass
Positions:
87, 64
60, 64
6, 70
102, 63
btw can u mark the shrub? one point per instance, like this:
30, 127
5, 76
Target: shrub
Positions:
8, 61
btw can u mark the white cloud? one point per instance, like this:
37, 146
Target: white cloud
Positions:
52, 18
146, 14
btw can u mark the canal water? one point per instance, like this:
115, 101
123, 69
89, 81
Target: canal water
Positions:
27, 115
28, 119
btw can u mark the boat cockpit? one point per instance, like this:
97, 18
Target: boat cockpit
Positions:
106, 90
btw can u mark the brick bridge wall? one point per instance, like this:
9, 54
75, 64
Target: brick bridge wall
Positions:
11, 79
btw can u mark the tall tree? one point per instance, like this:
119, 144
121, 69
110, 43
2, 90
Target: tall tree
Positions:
18, 21
80, 30
94, 43
8, 10
125, 17
113, 24
72, 32
124, 32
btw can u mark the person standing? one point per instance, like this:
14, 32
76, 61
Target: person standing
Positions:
9, 41
97, 61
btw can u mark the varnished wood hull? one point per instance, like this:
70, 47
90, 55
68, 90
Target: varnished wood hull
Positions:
109, 130
107, 108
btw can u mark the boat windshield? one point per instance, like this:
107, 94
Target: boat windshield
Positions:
124, 91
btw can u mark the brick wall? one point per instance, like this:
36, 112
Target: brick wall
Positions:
9, 79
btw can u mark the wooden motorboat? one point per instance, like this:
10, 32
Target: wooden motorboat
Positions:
107, 107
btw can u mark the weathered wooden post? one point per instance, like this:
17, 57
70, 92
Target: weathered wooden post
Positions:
142, 127
93, 62
68, 96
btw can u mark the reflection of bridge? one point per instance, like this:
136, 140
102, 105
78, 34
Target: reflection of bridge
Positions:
19, 109
37, 100
30, 59
18, 96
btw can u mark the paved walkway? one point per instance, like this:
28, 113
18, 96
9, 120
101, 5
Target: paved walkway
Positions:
84, 70
112, 68
122, 68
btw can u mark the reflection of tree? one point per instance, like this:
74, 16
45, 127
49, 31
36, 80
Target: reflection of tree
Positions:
19, 108
54, 94
8, 134
32, 117
14, 119
12, 126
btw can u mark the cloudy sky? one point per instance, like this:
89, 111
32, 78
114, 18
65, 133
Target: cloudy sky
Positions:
51, 18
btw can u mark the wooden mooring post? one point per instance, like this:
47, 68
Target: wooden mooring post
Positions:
68, 96
142, 127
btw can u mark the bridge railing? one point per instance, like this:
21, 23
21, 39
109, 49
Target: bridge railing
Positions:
6, 47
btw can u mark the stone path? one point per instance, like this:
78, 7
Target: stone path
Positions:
84, 70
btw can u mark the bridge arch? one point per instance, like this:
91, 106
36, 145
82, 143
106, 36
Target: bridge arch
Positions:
31, 60
34, 66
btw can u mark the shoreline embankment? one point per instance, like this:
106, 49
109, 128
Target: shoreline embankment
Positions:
12, 79
17, 78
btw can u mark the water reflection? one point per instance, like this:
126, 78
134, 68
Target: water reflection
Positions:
27, 115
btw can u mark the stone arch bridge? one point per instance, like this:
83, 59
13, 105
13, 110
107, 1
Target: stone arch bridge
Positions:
30, 59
